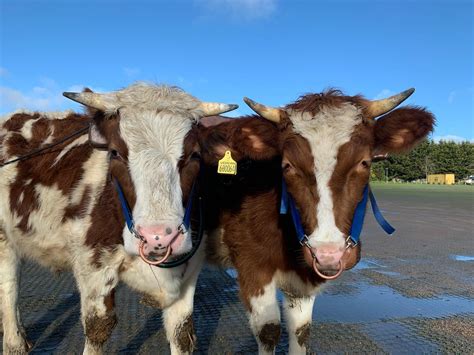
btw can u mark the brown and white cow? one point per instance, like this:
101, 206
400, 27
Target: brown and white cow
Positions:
60, 207
323, 146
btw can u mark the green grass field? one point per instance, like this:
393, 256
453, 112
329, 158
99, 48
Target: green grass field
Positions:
448, 196
422, 187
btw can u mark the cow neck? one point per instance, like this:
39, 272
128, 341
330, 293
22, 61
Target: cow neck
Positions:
288, 203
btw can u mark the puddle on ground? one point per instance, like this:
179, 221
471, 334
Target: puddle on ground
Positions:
367, 264
462, 257
390, 273
374, 303
232, 273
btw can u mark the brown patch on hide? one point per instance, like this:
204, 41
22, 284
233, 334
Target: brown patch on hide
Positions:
39, 170
98, 329
217, 251
236, 133
189, 164
23, 207
350, 176
302, 334
255, 142
298, 171
150, 301
269, 336
107, 224
79, 210
109, 300
16, 122
185, 336
19, 350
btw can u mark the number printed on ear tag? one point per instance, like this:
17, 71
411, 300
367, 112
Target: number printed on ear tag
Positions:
227, 165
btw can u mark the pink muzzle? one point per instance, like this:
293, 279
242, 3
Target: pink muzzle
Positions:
158, 242
327, 260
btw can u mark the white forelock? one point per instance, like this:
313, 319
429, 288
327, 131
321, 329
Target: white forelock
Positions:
326, 132
149, 97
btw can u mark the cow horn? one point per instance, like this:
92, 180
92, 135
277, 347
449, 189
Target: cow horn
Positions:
267, 112
379, 107
90, 99
213, 108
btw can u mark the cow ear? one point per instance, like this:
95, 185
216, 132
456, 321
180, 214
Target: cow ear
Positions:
402, 129
96, 138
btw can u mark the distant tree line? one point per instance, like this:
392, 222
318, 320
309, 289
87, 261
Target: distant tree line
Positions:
428, 158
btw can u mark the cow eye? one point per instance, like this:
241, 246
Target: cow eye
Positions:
287, 168
365, 164
114, 154
195, 156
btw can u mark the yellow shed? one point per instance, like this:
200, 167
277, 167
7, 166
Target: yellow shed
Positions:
441, 179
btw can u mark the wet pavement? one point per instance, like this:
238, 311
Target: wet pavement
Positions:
411, 293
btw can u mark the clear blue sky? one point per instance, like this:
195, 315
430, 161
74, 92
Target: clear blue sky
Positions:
222, 50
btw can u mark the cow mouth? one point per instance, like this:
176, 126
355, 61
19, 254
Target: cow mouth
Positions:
154, 258
325, 272
328, 274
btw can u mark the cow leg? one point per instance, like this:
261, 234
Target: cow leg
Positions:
264, 316
97, 305
14, 339
298, 314
178, 318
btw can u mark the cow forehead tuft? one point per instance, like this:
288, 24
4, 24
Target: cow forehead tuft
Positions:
145, 96
341, 118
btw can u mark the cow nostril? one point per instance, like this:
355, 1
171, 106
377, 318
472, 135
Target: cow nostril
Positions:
168, 230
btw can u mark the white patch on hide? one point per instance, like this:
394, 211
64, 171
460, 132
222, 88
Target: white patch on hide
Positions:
78, 141
265, 308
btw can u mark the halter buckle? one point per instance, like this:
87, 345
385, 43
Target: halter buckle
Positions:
305, 243
182, 229
350, 243
135, 233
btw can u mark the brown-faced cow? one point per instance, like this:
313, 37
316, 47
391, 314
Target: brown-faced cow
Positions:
322, 145
59, 207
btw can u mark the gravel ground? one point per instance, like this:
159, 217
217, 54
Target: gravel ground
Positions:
411, 293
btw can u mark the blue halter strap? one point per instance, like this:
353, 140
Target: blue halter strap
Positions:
287, 202
127, 213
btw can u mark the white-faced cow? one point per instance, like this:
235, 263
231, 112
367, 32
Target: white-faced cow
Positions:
322, 146
59, 205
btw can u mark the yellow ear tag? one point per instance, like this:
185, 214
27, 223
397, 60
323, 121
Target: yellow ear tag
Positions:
227, 165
